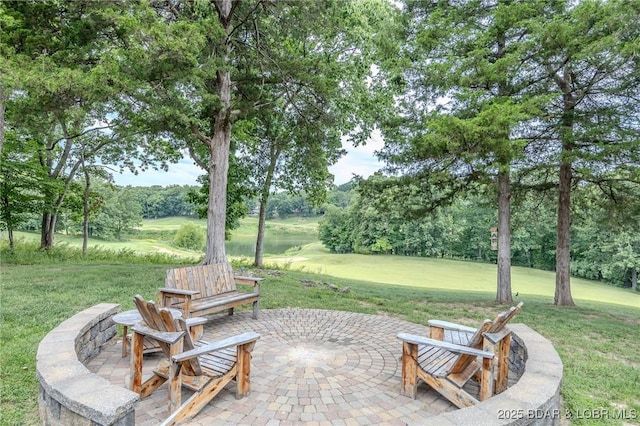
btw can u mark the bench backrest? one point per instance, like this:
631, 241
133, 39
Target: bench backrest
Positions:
209, 280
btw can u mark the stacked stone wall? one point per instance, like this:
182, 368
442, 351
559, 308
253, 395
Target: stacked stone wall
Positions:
69, 393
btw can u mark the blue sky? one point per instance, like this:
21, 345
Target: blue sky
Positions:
360, 161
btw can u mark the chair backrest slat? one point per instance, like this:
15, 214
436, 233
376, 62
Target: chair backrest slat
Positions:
192, 367
504, 317
476, 340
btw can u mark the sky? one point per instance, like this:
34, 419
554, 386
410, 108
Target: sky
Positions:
360, 161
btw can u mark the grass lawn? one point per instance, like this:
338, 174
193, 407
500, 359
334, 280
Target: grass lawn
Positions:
462, 276
598, 341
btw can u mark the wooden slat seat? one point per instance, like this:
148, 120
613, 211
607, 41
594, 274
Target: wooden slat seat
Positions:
225, 300
207, 289
454, 354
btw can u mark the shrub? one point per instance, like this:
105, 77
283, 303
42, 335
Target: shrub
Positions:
190, 236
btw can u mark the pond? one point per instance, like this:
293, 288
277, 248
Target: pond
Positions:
245, 245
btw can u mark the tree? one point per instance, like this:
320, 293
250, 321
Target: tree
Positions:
190, 236
120, 213
22, 185
589, 130
606, 238
466, 93
323, 65
335, 229
222, 61
64, 89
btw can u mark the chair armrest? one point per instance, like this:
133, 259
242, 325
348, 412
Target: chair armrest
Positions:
452, 347
496, 337
169, 337
195, 321
229, 342
450, 326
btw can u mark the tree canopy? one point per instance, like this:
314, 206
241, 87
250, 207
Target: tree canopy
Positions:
495, 104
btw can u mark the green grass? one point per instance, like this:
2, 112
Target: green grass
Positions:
598, 341
465, 277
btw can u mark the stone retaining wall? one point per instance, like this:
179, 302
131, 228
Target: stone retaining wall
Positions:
534, 400
69, 393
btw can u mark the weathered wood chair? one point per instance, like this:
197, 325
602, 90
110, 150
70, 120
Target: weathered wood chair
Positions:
454, 354
205, 368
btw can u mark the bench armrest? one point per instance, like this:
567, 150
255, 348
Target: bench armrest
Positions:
229, 342
450, 326
253, 281
186, 295
451, 347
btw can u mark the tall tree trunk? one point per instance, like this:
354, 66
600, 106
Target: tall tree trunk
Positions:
85, 212
219, 150
218, 171
504, 238
563, 275
8, 220
504, 200
274, 153
1, 118
48, 230
634, 279
563, 256
262, 217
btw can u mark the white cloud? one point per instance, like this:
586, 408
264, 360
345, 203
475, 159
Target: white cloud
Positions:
359, 160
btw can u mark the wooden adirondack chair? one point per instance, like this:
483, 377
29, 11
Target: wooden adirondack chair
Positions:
447, 366
205, 368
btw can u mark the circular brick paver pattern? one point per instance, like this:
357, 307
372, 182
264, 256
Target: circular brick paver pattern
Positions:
310, 366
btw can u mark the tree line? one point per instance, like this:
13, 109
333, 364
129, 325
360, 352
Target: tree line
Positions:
116, 211
495, 97
603, 249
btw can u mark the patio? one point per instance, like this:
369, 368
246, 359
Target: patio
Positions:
309, 366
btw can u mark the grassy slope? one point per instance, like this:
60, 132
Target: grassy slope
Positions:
446, 274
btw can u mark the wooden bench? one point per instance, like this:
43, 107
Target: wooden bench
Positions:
207, 289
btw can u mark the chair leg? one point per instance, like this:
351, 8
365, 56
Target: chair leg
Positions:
175, 381
199, 399
230, 311
452, 392
137, 349
255, 310
409, 370
436, 333
486, 372
486, 381
502, 380
243, 378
